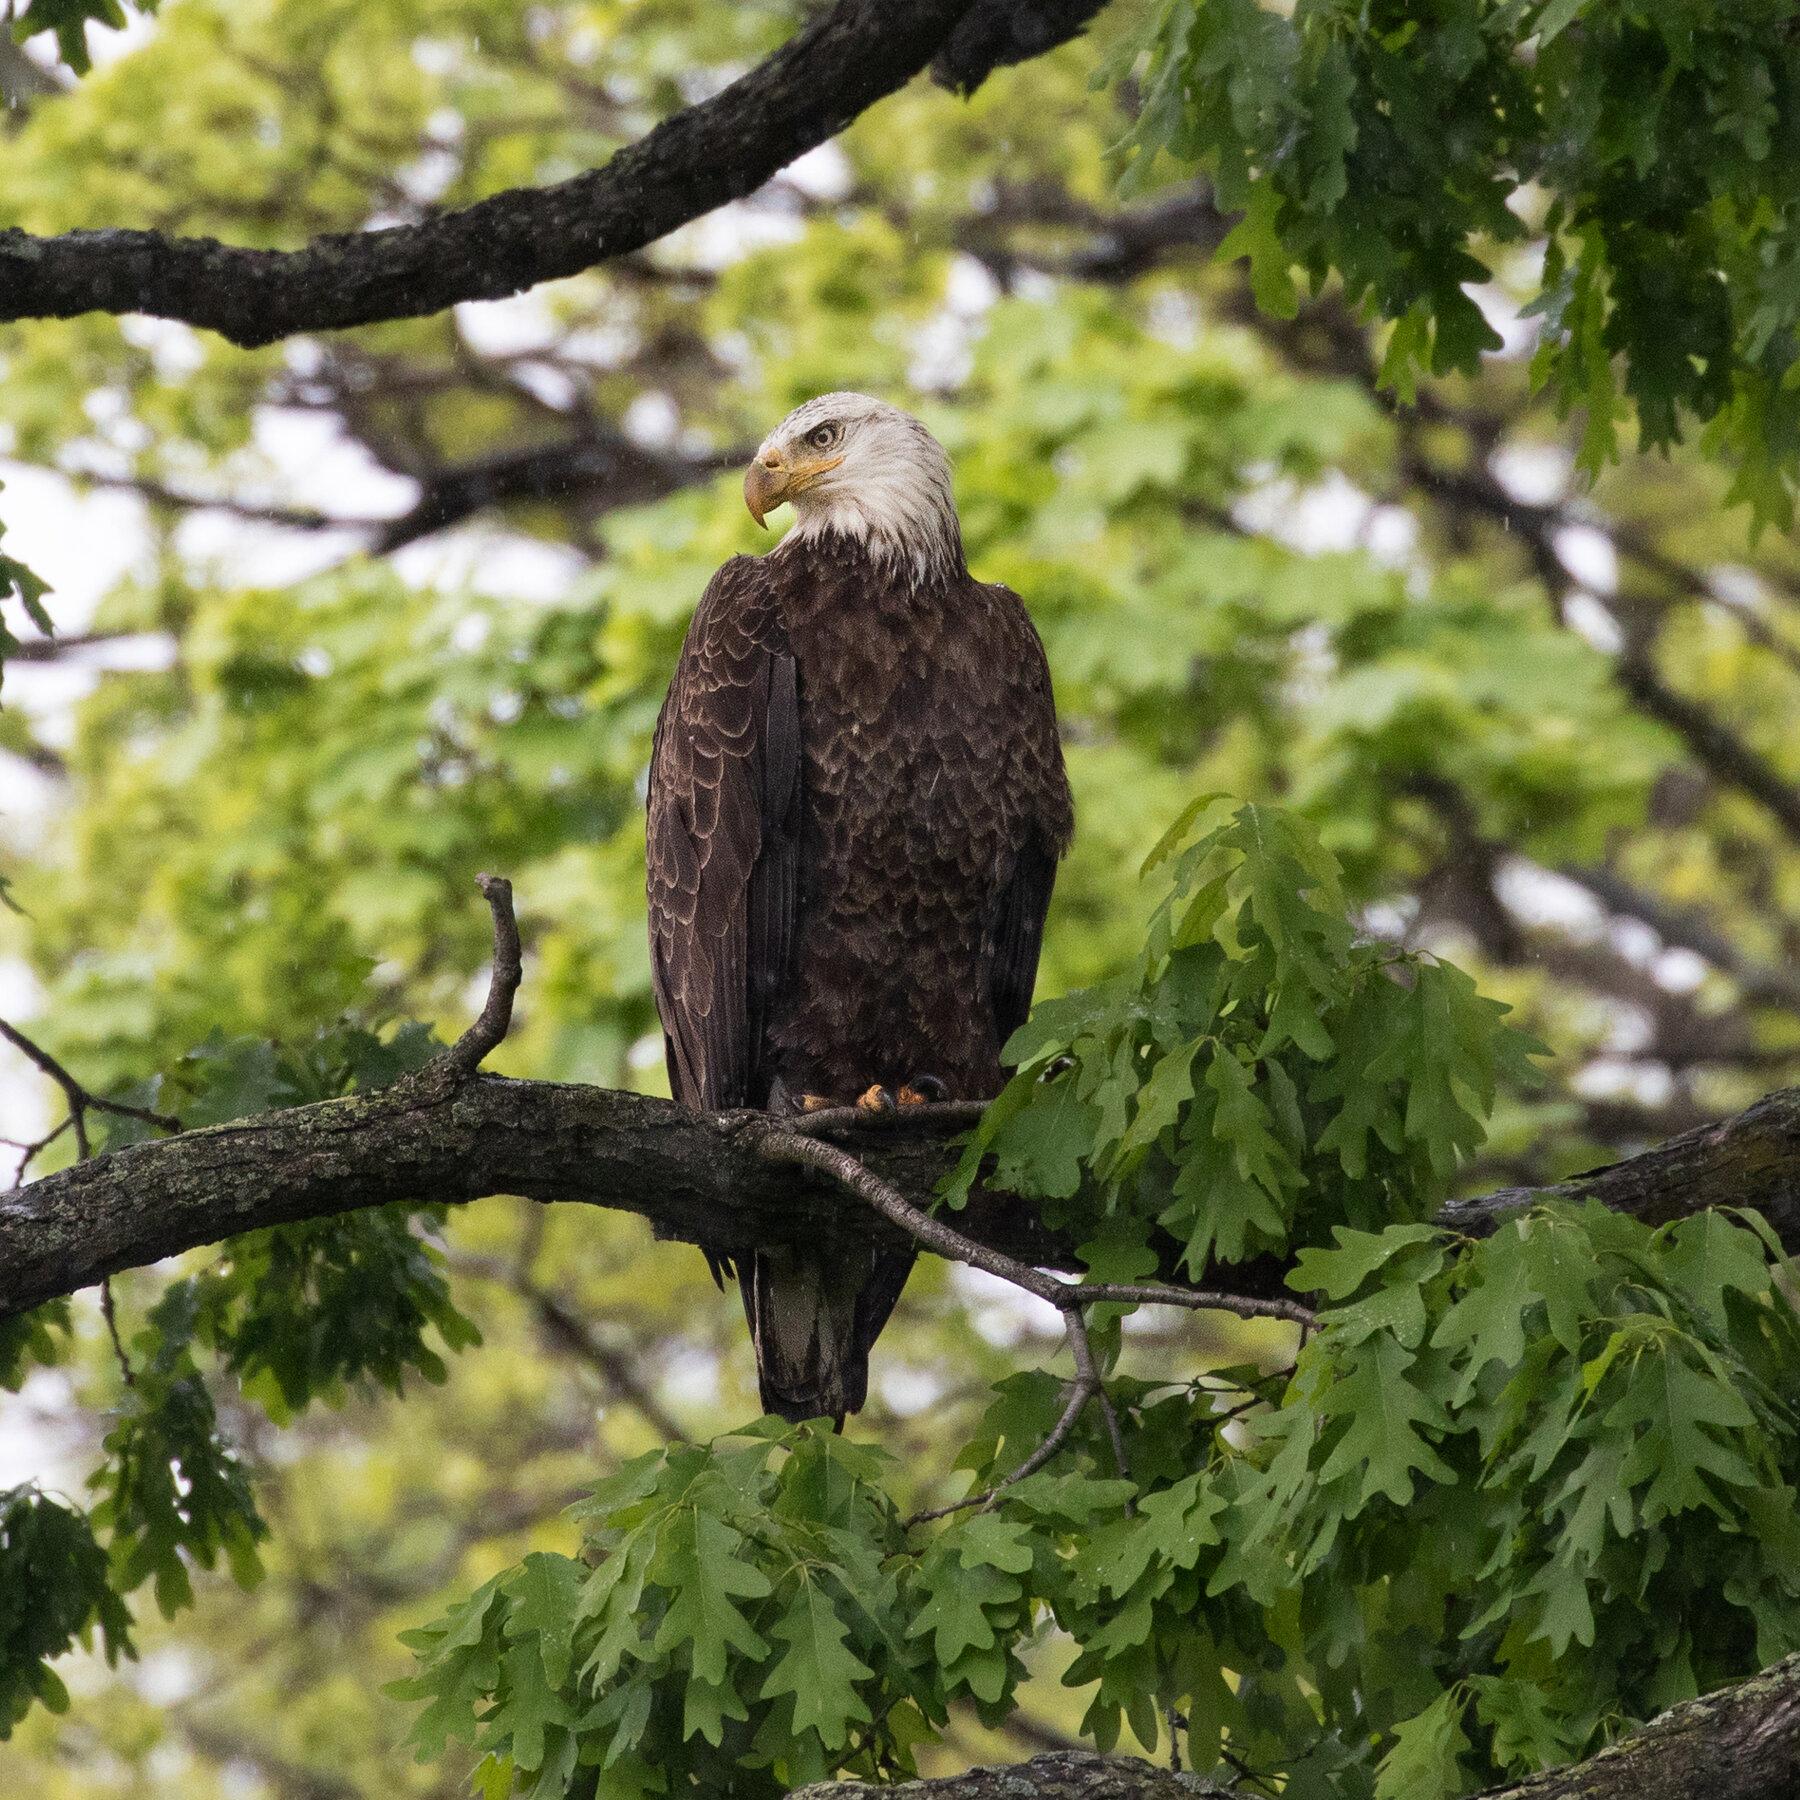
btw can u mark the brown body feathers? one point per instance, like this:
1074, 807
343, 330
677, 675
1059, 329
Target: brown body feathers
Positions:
857, 803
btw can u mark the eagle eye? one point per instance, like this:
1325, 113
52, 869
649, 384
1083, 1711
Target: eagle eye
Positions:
821, 435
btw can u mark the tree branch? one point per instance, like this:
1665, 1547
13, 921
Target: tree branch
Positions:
434, 1137
1737, 1743
843, 61
53, 649
446, 1134
81, 1101
780, 1143
1691, 930
698, 1178
608, 464
464, 1056
1714, 745
1071, 1299
1752, 1160
998, 33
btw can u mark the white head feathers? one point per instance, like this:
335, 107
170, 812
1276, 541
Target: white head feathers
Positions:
857, 466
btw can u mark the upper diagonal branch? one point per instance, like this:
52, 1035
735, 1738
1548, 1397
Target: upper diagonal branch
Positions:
841, 62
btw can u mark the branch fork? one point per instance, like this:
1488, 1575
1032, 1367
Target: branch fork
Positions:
781, 1143
81, 1102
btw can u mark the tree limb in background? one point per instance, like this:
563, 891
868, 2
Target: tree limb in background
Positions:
1714, 745
564, 1327
1691, 930
840, 63
608, 464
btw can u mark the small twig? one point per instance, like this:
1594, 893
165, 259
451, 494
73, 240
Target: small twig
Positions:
1110, 1415
1215, 1420
782, 1143
112, 1330
1245, 1772
1079, 1395
1199, 1300
1087, 1373
28, 1151
81, 1100
464, 1056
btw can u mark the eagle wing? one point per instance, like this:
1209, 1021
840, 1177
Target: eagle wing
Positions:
723, 836
1040, 788
1019, 936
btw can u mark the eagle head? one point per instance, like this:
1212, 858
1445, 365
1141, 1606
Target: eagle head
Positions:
866, 471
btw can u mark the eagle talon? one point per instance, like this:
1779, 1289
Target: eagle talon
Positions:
923, 1090
815, 1102
876, 1100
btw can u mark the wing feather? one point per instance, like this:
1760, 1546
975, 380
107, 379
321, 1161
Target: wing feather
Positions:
723, 839
1019, 936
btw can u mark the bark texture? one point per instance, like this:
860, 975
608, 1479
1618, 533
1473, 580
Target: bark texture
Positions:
1740, 1743
444, 1135
842, 62
1750, 1160
434, 1138
1061, 1775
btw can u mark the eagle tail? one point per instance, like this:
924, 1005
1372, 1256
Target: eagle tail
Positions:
813, 1315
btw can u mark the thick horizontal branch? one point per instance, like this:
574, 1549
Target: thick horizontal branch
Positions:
734, 1182
433, 1138
1062, 1775
1739, 1743
1750, 1160
840, 63
698, 1178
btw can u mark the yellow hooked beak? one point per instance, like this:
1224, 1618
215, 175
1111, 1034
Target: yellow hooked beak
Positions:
773, 478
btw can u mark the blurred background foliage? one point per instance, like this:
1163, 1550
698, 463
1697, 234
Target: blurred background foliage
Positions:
1545, 726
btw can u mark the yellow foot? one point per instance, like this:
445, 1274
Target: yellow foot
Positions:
815, 1103
876, 1100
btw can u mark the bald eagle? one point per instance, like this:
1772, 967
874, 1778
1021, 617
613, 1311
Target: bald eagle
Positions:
857, 804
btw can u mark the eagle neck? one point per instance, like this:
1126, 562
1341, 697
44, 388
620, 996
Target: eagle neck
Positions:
913, 536
834, 554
